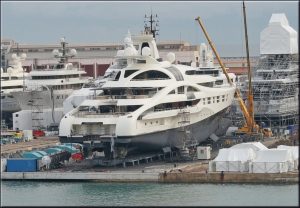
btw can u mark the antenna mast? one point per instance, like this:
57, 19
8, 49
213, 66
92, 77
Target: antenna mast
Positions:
153, 27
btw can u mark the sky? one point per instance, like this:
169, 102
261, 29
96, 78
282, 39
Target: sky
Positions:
45, 22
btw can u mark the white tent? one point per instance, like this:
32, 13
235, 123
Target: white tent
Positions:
234, 160
256, 146
271, 161
295, 153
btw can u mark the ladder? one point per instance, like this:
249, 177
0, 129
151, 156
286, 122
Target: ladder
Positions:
36, 109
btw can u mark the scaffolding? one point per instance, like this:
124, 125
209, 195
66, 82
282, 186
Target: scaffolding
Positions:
36, 109
275, 92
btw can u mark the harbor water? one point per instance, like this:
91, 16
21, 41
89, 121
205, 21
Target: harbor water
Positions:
33, 193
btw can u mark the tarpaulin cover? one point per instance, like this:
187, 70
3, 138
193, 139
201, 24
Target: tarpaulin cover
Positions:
271, 161
256, 146
278, 37
235, 160
295, 153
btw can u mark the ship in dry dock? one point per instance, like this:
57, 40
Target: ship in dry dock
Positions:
151, 104
276, 79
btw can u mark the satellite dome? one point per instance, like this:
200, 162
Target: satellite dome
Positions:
146, 51
23, 55
14, 56
127, 40
73, 52
55, 52
171, 57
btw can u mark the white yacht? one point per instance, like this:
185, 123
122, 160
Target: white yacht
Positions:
42, 101
12, 80
149, 105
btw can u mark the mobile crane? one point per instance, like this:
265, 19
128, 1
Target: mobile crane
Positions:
250, 127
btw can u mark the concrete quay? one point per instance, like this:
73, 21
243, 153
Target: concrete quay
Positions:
214, 177
82, 176
161, 172
230, 177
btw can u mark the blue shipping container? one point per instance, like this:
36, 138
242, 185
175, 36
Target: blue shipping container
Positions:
21, 165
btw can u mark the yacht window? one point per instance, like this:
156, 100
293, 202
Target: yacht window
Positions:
208, 72
106, 108
140, 61
118, 76
129, 72
190, 72
84, 108
175, 105
172, 92
180, 90
192, 89
206, 84
219, 82
129, 108
151, 75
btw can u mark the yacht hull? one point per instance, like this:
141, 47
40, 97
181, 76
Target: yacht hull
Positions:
155, 141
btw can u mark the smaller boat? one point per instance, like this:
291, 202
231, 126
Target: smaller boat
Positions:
12, 80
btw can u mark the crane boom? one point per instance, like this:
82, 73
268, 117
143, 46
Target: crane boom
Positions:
238, 94
250, 92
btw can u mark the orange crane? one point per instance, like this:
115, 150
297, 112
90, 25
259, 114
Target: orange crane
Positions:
250, 127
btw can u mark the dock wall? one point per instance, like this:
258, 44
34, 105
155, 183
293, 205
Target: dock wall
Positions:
155, 177
82, 176
229, 177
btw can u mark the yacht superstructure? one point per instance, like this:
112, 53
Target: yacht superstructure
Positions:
46, 89
150, 104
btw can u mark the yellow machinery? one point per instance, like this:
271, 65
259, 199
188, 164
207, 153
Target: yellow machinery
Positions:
250, 127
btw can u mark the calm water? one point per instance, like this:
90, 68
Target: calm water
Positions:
27, 193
